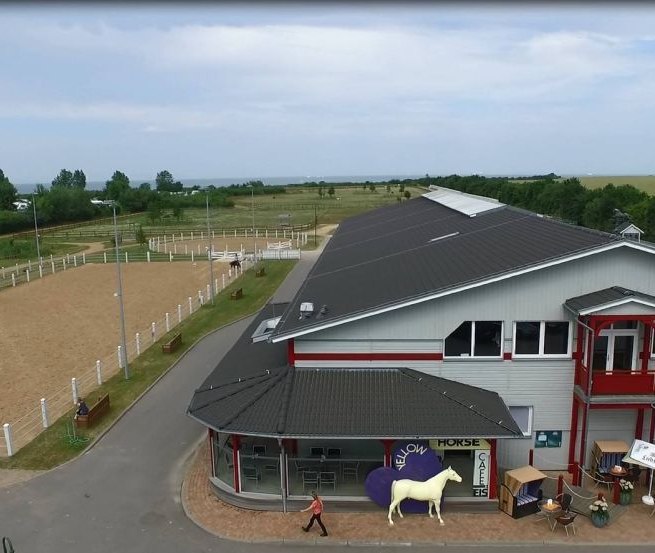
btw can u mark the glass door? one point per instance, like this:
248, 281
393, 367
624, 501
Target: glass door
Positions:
615, 350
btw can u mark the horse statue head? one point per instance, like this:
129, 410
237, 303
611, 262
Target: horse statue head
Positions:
452, 475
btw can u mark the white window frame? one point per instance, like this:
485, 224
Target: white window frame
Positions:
470, 355
542, 342
530, 409
652, 343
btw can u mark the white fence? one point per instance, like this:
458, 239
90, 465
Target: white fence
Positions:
20, 432
279, 254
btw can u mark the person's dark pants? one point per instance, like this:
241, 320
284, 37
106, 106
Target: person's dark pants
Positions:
316, 518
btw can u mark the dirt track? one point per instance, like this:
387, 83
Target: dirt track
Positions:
55, 328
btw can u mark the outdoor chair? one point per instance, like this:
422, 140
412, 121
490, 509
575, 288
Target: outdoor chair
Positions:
272, 466
309, 479
351, 470
301, 466
602, 475
251, 473
566, 520
328, 479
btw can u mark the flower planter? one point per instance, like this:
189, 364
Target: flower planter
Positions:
625, 498
599, 519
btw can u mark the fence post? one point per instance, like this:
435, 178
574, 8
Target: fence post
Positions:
191, 255
126, 259
186, 249
83, 258
13, 279
74, 390
190, 305
99, 372
179, 313
63, 263
10, 446
209, 291
191, 235
200, 298
119, 351
215, 286
27, 274
40, 271
153, 331
75, 260
148, 255
29, 264
53, 267
170, 256
105, 256
175, 248
198, 248
168, 323
201, 236
44, 413
223, 278
138, 344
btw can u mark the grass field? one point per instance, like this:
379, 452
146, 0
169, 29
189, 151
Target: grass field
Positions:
645, 183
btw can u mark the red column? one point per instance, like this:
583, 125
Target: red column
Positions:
639, 429
583, 445
492, 471
235, 461
645, 354
560, 484
531, 457
291, 353
387, 452
575, 411
616, 490
651, 430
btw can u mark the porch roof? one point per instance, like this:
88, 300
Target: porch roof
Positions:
608, 297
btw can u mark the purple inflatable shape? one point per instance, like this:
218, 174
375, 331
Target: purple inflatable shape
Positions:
411, 460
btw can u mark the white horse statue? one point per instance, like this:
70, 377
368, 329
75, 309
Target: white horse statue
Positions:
429, 491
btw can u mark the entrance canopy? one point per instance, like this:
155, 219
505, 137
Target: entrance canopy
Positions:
611, 298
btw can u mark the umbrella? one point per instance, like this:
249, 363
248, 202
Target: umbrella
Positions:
643, 454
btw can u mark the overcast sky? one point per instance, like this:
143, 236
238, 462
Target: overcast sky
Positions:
250, 90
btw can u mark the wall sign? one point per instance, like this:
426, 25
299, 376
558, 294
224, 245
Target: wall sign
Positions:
481, 473
548, 438
459, 443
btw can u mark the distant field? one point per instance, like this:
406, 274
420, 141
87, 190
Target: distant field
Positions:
645, 183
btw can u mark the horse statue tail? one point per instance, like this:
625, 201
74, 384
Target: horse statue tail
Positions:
393, 485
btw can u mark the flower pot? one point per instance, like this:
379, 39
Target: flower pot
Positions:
599, 519
625, 498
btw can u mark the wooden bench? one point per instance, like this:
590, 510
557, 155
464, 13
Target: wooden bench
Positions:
237, 294
260, 272
174, 343
95, 412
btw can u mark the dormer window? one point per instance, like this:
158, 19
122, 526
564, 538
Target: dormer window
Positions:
264, 329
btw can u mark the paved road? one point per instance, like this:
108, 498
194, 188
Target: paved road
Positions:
124, 494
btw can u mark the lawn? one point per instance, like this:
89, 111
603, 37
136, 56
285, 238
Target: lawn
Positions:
645, 183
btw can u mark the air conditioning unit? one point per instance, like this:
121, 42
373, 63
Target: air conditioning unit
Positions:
306, 309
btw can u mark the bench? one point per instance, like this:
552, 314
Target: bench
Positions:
174, 343
260, 272
237, 294
95, 412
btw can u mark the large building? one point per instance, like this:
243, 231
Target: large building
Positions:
450, 320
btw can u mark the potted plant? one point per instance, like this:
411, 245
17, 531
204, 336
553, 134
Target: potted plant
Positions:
625, 498
600, 514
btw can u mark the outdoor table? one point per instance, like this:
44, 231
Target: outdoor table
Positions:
550, 511
618, 472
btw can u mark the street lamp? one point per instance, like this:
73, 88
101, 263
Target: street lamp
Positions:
120, 296
36, 230
211, 260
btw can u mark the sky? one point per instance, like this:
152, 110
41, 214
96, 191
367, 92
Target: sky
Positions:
255, 90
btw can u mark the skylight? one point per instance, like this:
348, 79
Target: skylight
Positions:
467, 204
264, 329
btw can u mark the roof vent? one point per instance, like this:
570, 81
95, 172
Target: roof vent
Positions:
322, 312
306, 309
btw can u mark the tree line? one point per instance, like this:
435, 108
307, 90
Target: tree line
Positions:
68, 201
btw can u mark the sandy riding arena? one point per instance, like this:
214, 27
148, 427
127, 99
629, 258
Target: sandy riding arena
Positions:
55, 328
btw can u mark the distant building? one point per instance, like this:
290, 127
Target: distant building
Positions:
22, 205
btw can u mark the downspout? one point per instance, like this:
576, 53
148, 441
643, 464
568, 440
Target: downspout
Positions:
283, 474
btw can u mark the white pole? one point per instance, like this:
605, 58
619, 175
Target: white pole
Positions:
13, 279
99, 372
168, 322
215, 286
8, 441
120, 356
175, 249
40, 271
191, 255
63, 263
179, 313
52, 263
138, 343
105, 256
27, 274
83, 258
186, 249
3, 272
191, 235
198, 248
190, 305
223, 277
209, 290
153, 331
201, 236
74, 389
75, 260
170, 257
29, 264
148, 255
201, 300
126, 259
44, 413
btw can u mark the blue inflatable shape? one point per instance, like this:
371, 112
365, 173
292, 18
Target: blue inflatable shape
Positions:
410, 460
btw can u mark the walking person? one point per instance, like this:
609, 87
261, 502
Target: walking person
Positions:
316, 508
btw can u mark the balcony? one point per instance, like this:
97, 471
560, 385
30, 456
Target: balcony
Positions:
622, 383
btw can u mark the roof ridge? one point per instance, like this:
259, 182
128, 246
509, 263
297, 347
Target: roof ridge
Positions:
419, 380
239, 380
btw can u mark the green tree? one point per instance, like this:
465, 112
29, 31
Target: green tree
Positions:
117, 186
371, 187
140, 235
154, 210
63, 180
331, 191
7, 193
407, 194
165, 182
178, 211
79, 179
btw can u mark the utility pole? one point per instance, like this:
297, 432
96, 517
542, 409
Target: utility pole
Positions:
254, 239
315, 225
209, 255
120, 297
36, 230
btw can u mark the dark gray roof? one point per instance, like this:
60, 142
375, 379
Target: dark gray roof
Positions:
401, 252
254, 391
604, 297
350, 403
